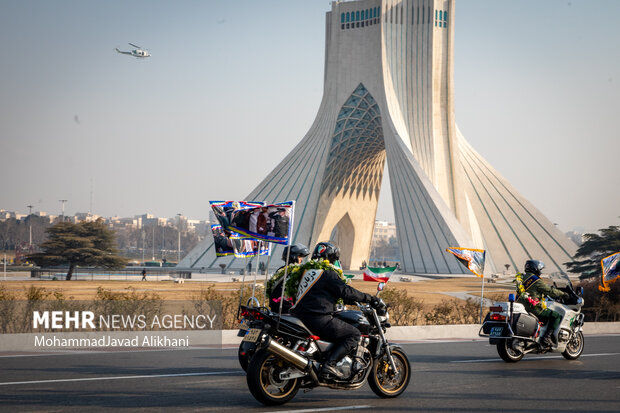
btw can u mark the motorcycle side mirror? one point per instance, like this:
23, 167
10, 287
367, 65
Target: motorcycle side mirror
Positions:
380, 286
580, 291
511, 298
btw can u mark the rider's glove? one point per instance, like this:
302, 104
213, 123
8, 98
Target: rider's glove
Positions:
370, 299
377, 303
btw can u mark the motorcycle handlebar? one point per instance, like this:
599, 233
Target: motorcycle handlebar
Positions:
382, 305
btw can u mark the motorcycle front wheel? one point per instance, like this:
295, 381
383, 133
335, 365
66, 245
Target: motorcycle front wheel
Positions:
574, 348
507, 353
264, 379
384, 381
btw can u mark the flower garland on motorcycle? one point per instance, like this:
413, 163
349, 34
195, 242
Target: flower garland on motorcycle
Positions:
295, 271
521, 289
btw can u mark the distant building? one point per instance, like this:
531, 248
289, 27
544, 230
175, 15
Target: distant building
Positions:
179, 221
85, 216
383, 231
118, 222
149, 220
4, 214
200, 228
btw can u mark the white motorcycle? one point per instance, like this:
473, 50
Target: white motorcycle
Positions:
515, 332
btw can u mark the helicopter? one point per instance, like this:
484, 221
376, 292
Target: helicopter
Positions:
138, 52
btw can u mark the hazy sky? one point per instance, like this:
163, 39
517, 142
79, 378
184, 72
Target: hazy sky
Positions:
232, 86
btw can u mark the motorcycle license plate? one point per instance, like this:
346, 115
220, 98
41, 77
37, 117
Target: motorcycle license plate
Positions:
496, 331
244, 325
252, 335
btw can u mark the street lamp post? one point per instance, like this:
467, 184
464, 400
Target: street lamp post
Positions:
143, 238
179, 244
29, 224
63, 208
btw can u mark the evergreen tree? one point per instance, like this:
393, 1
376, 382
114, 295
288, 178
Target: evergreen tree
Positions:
587, 259
85, 244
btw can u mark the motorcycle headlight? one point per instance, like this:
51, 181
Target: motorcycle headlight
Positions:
382, 311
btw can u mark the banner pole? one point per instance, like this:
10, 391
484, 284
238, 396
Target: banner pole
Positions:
267, 271
481, 298
284, 283
288, 254
245, 260
258, 244
482, 291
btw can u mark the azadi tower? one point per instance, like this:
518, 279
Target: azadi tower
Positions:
388, 96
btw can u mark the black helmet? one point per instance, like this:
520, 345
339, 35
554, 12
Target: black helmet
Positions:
297, 251
326, 251
534, 266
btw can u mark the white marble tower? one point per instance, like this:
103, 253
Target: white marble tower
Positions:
388, 95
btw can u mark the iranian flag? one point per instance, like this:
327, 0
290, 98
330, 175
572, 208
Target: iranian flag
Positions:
378, 274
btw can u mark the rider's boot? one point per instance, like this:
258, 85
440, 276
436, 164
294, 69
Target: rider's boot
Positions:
329, 367
549, 338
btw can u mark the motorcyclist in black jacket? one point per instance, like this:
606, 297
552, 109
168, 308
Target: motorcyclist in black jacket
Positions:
318, 292
295, 256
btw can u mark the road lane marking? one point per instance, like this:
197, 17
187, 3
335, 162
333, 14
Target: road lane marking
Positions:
146, 376
438, 340
532, 358
325, 409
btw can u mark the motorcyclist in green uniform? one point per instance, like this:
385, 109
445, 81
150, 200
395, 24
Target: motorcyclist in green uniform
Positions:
531, 291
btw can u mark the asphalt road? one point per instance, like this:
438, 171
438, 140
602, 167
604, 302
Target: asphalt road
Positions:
447, 376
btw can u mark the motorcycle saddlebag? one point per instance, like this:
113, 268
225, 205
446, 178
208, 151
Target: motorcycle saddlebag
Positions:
524, 325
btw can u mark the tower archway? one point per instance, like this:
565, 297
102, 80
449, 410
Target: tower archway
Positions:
350, 189
343, 235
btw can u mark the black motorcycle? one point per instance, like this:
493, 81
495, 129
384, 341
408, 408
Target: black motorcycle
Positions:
250, 316
289, 356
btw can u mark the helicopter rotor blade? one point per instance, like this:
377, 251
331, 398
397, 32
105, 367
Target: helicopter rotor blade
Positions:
135, 45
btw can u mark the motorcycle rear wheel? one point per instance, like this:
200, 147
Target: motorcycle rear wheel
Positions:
507, 353
574, 348
245, 353
383, 381
264, 382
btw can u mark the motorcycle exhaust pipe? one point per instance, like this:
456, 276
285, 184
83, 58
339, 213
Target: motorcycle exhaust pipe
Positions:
278, 349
